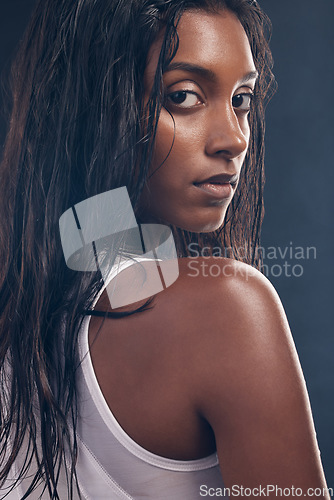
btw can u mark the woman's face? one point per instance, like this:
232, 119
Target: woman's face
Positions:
203, 130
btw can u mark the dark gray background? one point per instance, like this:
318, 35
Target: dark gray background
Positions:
300, 183
299, 192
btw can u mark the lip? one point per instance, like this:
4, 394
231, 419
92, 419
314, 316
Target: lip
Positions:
218, 191
219, 186
222, 178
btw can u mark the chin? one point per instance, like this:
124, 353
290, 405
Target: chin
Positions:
204, 221
208, 228
201, 225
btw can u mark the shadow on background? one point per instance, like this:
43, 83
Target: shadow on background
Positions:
300, 183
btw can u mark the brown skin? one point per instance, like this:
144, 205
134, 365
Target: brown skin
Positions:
211, 125
213, 364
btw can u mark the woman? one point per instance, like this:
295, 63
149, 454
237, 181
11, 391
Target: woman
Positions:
165, 99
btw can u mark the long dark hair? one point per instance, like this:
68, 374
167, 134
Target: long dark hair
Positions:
76, 130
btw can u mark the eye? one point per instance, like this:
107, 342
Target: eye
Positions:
184, 99
242, 101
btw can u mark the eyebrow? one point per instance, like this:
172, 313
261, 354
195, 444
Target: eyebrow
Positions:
205, 72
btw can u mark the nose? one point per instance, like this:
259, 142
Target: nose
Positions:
225, 136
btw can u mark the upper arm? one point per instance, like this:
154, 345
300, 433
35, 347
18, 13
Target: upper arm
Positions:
250, 388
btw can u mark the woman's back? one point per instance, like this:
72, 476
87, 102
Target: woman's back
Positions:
137, 411
144, 371
213, 358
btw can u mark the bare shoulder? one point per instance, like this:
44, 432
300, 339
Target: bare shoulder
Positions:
247, 379
233, 316
231, 292
237, 321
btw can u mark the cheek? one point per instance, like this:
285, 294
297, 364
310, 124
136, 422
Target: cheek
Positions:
164, 140
245, 127
177, 142
246, 131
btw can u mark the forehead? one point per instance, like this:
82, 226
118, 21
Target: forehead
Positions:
216, 41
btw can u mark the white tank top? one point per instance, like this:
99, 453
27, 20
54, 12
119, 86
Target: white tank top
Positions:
111, 465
